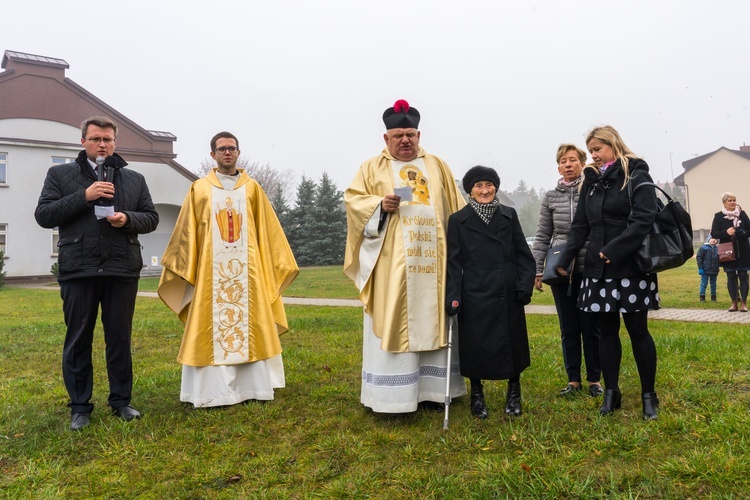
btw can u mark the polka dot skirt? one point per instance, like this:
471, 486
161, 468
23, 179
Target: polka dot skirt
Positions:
636, 293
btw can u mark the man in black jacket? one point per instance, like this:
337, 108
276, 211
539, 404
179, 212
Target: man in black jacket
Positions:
99, 258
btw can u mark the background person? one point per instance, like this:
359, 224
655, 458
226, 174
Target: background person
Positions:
395, 254
99, 263
224, 273
490, 280
731, 224
577, 327
707, 259
615, 227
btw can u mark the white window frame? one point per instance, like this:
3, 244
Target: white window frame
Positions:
4, 238
55, 239
4, 168
62, 160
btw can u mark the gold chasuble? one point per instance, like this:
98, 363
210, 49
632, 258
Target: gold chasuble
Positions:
225, 268
407, 257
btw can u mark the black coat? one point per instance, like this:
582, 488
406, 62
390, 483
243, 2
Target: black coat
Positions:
741, 245
491, 274
89, 247
603, 216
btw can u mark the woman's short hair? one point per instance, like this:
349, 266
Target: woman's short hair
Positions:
564, 148
726, 196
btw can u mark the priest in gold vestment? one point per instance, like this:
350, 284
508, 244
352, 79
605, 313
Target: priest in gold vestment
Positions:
225, 268
397, 209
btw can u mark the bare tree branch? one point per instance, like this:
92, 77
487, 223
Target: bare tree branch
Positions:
270, 179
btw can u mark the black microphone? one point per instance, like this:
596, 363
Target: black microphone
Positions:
106, 168
110, 165
100, 168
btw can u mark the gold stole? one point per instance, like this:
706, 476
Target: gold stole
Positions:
230, 277
419, 234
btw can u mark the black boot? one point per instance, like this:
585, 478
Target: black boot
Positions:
713, 298
513, 399
703, 298
650, 405
478, 406
612, 401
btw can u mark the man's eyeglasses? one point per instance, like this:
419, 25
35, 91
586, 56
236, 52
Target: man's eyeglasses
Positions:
97, 140
223, 150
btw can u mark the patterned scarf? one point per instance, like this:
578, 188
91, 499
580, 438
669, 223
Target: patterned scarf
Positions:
564, 183
485, 211
606, 166
734, 216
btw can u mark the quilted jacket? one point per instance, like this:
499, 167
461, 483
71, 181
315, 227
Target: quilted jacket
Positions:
90, 247
708, 259
555, 217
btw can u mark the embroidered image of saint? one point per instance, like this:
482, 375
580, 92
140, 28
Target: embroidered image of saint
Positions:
230, 223
413, 177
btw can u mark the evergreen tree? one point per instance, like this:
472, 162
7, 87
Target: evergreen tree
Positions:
528, 215
328, 227
278, 202
301, 221
522, 188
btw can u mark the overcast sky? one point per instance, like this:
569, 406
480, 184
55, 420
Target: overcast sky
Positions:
502, 83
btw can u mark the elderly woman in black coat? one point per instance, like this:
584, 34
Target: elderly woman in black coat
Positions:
732, 225
489, 280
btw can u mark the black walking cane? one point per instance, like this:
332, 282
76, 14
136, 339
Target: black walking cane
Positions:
449, 351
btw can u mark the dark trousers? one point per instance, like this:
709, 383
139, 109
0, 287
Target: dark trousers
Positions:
81, 300
737, 285
577, 327
610, 348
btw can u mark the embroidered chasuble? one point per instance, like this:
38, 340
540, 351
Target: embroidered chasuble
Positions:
225, 268
399, 269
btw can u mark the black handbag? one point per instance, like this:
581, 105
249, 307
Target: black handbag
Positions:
550, 276
669, 244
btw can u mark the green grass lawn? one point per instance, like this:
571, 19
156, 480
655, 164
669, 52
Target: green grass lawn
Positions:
678, 287
316, 440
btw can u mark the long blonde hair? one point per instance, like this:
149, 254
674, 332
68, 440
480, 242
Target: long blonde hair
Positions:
609, 136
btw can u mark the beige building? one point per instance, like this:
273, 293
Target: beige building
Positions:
41, 111
709, 176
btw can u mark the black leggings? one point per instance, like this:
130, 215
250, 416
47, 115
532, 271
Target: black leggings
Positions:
610, 348
732, 278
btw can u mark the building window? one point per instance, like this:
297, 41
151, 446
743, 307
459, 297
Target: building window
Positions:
61, 160
55, 240
3, 238
3, 168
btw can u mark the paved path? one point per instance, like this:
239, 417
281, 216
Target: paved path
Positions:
669, 314
699, 315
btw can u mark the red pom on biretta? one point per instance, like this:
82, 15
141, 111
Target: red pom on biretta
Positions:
401, 105
401, 115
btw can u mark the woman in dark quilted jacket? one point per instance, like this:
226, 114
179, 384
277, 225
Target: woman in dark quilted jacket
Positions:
577, 327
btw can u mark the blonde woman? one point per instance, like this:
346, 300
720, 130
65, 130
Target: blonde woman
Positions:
615, 226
